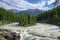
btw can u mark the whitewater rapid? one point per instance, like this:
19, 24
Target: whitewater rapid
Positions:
42, 32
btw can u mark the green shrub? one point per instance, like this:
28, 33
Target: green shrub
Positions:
3, 33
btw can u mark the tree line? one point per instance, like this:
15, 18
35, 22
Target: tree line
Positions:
25, 19
50, 16
6, 16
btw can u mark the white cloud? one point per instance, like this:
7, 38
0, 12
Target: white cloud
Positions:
23, 5
50, 2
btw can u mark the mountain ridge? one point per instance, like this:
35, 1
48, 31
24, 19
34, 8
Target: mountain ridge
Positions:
30, 11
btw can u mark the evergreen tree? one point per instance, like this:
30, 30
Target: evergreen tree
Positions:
33, 19
7, 16
50, 16
26, 19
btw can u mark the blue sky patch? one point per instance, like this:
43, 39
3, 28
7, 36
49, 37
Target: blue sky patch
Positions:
49, 6
33, 1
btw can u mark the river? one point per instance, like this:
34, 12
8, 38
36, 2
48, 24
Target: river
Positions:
40, 31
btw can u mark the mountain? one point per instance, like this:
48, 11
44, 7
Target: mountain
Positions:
31, 11
14, 10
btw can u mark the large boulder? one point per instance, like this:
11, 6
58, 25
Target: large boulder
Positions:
2, 38
9, 35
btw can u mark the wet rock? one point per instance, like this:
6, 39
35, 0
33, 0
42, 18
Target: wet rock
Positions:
10, 35
16, 36
2, 38
58, 37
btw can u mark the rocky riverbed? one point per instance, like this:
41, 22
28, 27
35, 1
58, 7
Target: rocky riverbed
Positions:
9, 35
14, 27
40, 31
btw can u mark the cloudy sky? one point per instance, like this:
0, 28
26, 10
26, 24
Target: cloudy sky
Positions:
27, 4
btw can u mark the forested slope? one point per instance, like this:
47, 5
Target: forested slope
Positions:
6, 16
50, 16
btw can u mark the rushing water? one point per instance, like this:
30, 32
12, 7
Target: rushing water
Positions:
39, 31
42, 32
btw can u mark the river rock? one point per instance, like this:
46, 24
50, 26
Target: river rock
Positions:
9, 35
2, 38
